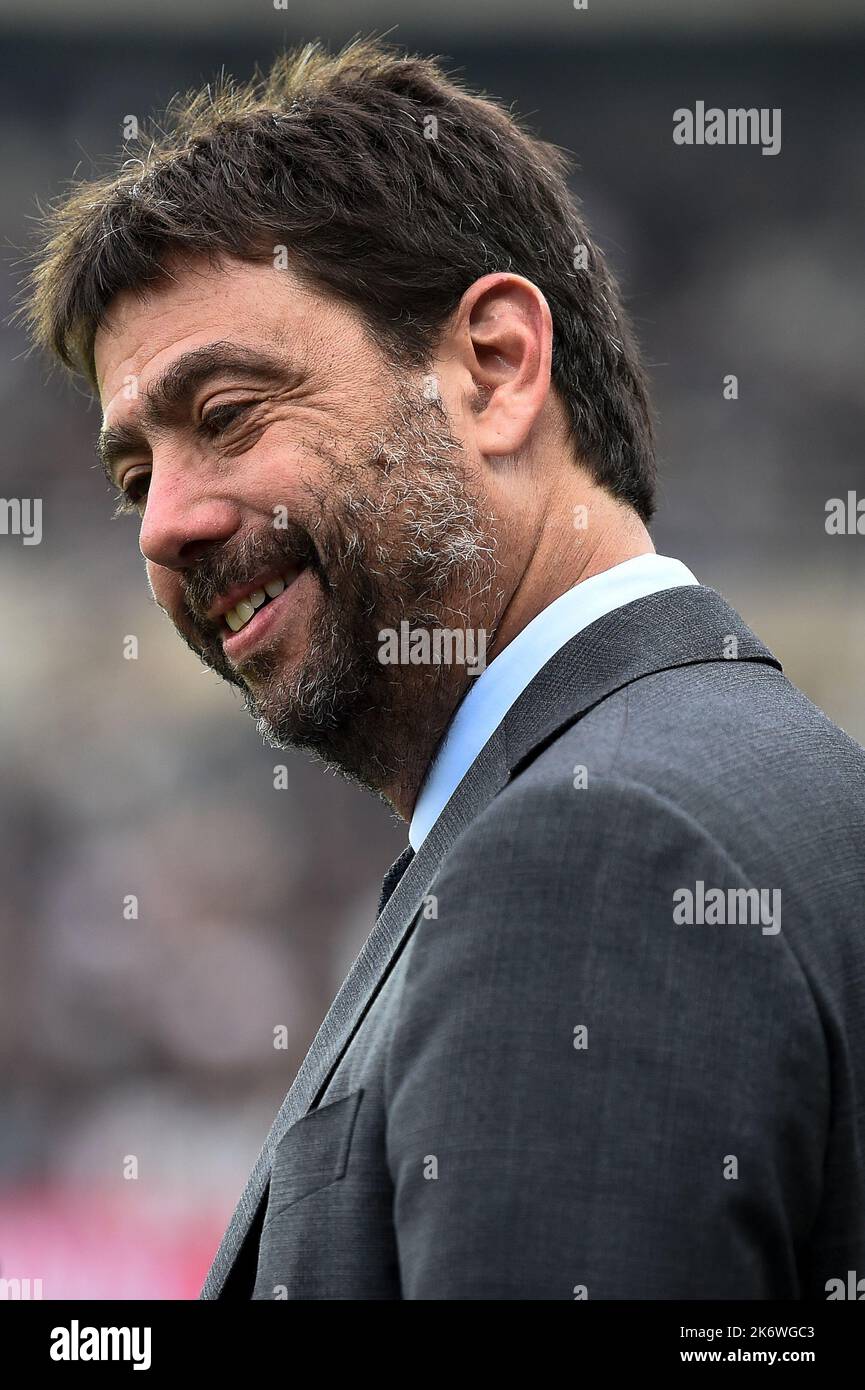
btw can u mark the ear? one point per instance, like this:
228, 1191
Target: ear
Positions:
503, 339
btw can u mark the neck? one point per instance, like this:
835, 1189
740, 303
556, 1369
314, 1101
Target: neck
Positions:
568, 549
565, 549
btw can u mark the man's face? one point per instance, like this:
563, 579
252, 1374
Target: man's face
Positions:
297, 497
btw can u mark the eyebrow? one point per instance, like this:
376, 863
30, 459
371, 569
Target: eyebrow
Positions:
173, 390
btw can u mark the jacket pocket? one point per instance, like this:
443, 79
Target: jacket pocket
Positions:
312, 1154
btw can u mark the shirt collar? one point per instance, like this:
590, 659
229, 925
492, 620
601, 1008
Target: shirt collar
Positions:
492, 693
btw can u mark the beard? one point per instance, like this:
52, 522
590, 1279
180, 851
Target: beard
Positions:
395, 534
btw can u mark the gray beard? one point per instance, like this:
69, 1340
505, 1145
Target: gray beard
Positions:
409, 541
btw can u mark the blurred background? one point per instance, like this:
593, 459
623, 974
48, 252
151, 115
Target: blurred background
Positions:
151, 1037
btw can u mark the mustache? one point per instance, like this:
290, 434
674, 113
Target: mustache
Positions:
241, 561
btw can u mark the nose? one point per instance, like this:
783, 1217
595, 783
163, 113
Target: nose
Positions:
181, 520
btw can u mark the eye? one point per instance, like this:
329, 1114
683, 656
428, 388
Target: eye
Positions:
221, 418
130, 497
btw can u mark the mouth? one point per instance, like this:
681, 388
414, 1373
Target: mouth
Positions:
255, 616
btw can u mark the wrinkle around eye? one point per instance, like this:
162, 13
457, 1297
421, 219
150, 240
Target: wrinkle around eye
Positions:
215, 423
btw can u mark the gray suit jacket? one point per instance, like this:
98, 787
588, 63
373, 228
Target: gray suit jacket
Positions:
549, 1077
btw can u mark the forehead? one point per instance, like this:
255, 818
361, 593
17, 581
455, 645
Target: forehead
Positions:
196, 302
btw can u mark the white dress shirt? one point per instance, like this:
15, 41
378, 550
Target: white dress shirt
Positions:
492, 693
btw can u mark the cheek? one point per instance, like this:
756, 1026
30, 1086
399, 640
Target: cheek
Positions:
164, 586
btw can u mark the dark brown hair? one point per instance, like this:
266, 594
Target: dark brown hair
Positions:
391, 186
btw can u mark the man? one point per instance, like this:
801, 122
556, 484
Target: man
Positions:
369, 386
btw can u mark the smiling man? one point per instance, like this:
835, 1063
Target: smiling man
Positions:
327, 506
363, 372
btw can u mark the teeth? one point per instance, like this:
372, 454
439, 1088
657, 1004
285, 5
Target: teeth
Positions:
238, 616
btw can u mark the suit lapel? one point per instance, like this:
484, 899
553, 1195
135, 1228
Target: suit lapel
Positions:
676, 627
393, 876
358, 991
